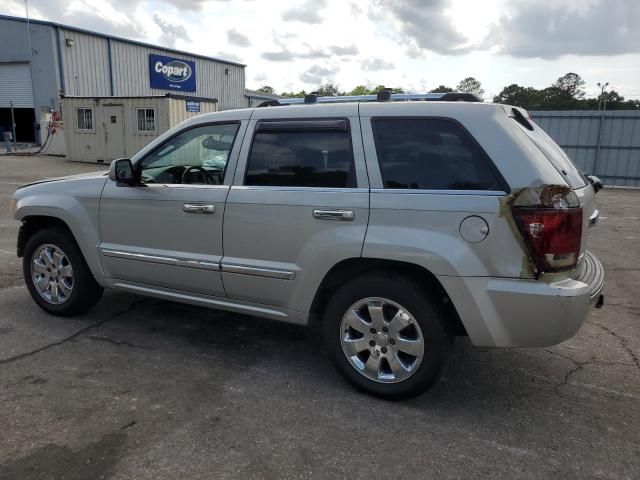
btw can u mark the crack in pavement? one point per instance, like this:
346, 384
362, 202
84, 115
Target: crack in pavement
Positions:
579, 365
623, 342
116, 342
20, 356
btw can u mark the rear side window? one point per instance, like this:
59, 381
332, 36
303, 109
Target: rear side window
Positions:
295, 154
559, 159
431, 154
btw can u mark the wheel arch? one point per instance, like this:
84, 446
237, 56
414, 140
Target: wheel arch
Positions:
351, 267
32, 224
36, 221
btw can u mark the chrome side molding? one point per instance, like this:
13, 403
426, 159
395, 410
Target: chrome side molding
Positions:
259, 271
179, 262
193, 263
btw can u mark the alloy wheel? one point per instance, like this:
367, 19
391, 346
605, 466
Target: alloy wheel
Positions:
382, 340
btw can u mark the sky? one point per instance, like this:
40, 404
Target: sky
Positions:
413, 44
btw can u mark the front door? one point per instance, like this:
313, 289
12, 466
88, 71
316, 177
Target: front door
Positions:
298, 206
114, 131
167, 232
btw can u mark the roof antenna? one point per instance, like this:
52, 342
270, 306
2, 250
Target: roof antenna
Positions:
384, 95
311, 97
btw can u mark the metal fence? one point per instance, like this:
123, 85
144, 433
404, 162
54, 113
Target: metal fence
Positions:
606, 144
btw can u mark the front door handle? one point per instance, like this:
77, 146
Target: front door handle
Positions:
343, 215
199, 208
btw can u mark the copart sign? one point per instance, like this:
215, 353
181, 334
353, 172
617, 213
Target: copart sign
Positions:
169, 73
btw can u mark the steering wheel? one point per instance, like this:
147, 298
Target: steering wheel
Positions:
208, 179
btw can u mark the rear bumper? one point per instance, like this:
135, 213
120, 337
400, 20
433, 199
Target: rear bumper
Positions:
503, 312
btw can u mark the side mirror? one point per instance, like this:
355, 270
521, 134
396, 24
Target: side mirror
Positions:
596, 183
121, 172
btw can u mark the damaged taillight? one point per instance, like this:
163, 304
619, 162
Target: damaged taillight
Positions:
550, 221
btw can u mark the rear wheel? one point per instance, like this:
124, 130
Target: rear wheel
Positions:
386, 335
57, 275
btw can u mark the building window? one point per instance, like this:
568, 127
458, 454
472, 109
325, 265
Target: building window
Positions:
146, 119
84, 118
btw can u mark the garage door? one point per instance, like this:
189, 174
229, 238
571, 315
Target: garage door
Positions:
15, 85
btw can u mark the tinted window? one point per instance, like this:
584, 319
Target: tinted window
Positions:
301, 158
431, 154
196, 156
555, 154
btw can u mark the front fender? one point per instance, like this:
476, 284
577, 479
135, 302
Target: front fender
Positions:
76, 203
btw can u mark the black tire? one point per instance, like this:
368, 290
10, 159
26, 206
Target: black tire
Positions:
422, 304
85, 293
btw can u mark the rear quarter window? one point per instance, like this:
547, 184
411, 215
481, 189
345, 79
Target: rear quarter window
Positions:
554, 153
432, 154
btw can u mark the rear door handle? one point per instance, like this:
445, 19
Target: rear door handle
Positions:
343, 215
199, 208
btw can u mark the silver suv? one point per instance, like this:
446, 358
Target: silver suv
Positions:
392, 223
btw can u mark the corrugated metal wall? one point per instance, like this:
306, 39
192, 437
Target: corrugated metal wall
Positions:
605, 144
86, 64
131, 75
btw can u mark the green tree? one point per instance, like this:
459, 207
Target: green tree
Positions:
571, 85
470, 85
329, 90
299, 94
525, 97
442, 89
360, 90
266, 89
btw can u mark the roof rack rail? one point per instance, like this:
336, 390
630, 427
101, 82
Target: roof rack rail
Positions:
384, 95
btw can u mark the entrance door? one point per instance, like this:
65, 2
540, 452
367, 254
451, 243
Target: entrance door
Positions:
114, 132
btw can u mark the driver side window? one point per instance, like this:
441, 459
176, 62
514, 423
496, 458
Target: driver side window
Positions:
197, 156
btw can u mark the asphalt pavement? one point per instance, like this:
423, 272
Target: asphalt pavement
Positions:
149, 389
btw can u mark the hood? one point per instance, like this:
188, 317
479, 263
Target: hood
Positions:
78, 176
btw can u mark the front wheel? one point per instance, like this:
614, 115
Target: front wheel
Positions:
57, 275
386, 335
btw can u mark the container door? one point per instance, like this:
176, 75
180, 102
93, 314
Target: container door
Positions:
114, 131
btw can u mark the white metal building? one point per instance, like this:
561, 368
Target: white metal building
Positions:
42, 62
99, 129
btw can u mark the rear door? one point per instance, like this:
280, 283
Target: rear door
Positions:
299, 204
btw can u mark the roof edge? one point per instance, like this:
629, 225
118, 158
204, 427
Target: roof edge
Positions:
168, 95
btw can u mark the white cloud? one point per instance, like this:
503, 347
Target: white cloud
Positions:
317, 75
306, 12
375, 64
237, 38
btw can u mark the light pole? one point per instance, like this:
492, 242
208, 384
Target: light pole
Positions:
602, 87
600, 124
